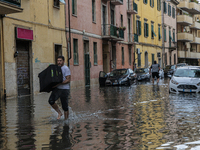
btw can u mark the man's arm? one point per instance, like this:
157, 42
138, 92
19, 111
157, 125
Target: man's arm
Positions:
67, 80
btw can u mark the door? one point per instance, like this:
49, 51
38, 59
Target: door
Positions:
146, 59
23, 68
87, 63
113, 57
102, 78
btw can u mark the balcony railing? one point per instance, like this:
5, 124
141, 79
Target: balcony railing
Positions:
191, 7
196, 40
184, 20
172, 45
10, 6
187, 54
195, 25
131, 8
185, 37
132, 38
13, 2
117, 2
110, 31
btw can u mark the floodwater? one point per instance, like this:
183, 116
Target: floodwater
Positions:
139, 117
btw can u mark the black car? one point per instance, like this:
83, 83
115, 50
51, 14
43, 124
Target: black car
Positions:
117, 77
143, 74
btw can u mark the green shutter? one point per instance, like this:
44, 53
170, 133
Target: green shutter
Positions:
150, 2
165, 34
157, 5
153, 3
165, 7
139, 22
159, 37
174, 36
147, 29
144, 29
152, 58
73, 8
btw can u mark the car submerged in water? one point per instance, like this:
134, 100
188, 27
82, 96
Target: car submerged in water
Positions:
117, 77
185, 79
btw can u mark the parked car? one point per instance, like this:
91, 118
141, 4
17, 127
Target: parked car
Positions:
181, 65
185, 79
161, 73
143, 74
117, 77
171, 70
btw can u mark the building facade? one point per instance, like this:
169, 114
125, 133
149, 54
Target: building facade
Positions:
31, 41
170, 32
188, 26
6, 7
149, 30
101, 38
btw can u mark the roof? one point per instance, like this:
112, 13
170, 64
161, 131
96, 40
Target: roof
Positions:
189, 67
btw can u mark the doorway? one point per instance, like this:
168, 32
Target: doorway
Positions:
146, 59
87, 63
113, 65
23, 68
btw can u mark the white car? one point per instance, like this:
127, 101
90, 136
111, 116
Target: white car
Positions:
185, 79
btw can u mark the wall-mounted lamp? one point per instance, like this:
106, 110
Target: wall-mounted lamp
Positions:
16, 54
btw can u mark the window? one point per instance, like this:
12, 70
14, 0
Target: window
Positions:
152, 31
152, 3
93, 11
138, 27
174, 58
139, 60
122, 55
169, 10
159, 34
58, 52
75, 47
173, 12
165, 58
129, 50
174, 35
74, 7
158, 5
95, 53
146, 29
152, 55
57, 3
112, 17
165, 7
165, 36
145, 1
121, 20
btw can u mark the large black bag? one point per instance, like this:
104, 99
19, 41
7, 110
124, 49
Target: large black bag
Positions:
50, 77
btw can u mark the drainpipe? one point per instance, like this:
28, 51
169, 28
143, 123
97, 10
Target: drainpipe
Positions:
3, 90
134, 46
69, 48
163, 42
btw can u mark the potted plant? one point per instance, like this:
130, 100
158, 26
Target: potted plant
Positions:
124, 28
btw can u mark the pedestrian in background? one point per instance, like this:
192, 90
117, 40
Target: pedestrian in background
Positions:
154, 69
61, 90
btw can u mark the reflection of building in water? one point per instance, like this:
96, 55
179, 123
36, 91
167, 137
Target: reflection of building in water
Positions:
149, 114
3, 138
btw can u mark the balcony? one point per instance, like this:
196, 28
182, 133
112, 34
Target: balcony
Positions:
188, 54
132, 38
10, 6
117, 2
172, 45
132, 8
195, 25
184, 20
185, 37
196, 40
111, 32
191, 7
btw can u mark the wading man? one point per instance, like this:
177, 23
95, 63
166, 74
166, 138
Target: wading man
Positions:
155, 71
61, 90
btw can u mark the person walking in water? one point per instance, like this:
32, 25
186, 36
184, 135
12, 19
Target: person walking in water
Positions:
155, 71
61, 90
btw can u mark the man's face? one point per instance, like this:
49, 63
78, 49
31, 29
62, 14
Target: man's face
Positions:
60, 62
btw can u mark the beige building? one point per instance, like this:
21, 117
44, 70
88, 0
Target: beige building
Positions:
188, 26
30, 41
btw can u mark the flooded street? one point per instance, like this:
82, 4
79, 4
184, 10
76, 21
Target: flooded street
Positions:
139, 117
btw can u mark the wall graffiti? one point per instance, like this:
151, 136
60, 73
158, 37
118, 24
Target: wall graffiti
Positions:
36, 60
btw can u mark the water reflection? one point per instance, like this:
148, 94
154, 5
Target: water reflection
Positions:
138, 117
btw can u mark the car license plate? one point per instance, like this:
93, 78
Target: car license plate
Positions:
187, 90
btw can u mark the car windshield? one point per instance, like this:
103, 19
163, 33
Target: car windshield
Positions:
141, 70
118, 72
192, 73
173, 67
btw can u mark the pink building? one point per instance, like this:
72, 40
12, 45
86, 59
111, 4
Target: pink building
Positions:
170, 32
101, 38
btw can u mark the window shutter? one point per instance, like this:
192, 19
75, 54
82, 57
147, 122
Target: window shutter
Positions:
153, 3
174, 36
144, 29
147, 29
159, 37
150, 2
73, 9
165, 34
139, 27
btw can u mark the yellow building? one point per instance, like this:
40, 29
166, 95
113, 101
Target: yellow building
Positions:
31, 41
148, 27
